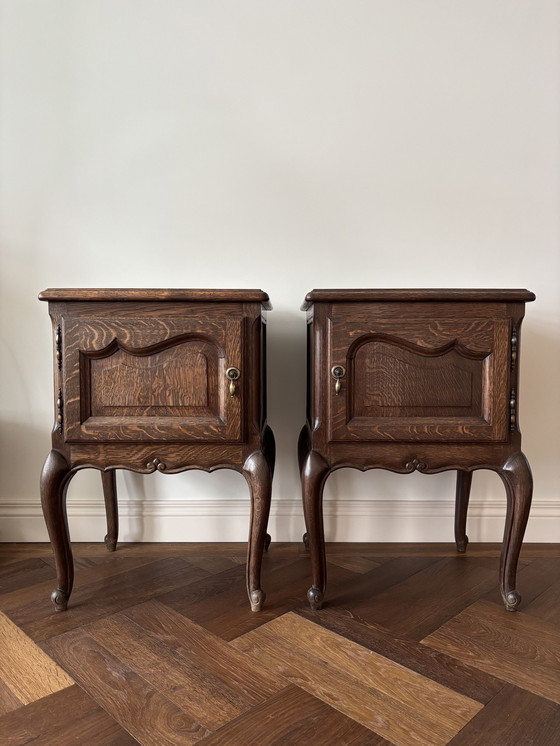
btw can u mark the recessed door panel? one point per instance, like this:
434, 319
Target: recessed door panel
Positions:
141, 381
402, 384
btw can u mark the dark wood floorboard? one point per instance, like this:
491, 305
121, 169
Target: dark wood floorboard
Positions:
515, 717
292, 718
159, 647
63, 718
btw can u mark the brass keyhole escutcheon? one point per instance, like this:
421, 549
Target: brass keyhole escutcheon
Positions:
338, 372
232, 374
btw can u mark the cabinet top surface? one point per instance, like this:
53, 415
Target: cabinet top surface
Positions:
156, 294
501, 295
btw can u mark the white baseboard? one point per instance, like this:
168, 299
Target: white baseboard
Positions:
228, 520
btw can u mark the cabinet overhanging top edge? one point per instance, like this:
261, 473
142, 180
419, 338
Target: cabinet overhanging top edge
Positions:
500, 295
156, 294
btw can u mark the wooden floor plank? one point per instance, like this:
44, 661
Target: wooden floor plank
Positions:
291, 718
513, 718
24, 667
113, 593
517, 648
355, 563
434, 665
546, 606
8, 700
152, 645
533, 580
219, 603
15, 575
400, 705
211, 682
144, 712
419, 604
38, 594
204, 648
359, 593
65, 718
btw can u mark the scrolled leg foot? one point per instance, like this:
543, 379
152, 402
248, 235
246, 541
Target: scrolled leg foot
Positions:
110, 543
59, 599
512, 600
257, 598
462, 544
267, 540
315, 598
305, 540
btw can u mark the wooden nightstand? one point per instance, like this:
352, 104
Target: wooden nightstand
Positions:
415, 380
164, 380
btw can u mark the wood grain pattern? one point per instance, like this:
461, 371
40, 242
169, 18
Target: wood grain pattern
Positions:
134, 379
138, 707
367, 295
149, 673
27, 602
198, 672
437, 666
416, 606
519, 649
99, 598
166, 380
217, 605
426, 380
8, 700
46, 722
153, 295
24, 667
546, 606
291, 718
514, 717
21, 574
398, 704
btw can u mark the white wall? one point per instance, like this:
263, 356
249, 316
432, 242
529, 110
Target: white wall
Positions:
283, 145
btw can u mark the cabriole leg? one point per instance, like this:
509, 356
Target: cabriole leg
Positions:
55, 478
313, 476
518, 481
258, 473
462, 494
109, 479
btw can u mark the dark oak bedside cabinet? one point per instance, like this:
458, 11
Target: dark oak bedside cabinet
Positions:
415, 380
164, 380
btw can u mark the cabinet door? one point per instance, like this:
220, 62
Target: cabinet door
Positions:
419, 380
152, 379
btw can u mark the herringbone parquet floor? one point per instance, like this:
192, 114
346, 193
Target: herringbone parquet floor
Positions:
159, 647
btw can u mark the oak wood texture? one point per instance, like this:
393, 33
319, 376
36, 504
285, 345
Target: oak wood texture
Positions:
474, 637
415, 380
399, 704
157, 380
152, 670
139, 707
290, 718
514, 716
154, 294
24, 667
368, 295
42, 723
